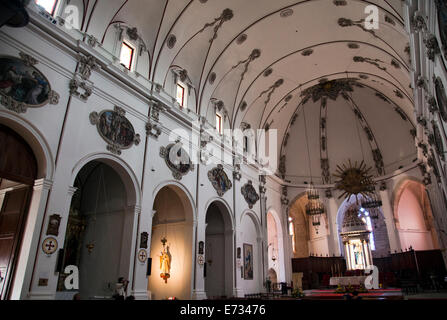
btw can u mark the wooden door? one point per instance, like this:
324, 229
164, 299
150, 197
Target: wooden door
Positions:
12, 216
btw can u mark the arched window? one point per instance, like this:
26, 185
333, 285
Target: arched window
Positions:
441, 98
364, 214
442, 21
49, 5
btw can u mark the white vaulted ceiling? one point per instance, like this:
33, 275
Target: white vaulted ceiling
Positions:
263, 54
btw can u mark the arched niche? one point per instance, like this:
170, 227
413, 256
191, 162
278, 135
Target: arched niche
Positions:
219, 251
414, 217
298, 227
379, 241
173, 220
275, 243
252, 248
98, 238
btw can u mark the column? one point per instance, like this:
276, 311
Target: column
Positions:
198, 292
332, 211
391, 229
30, 247
136, 270
238, 290
348, 256
287, 245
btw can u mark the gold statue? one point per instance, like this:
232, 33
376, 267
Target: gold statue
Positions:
165, 263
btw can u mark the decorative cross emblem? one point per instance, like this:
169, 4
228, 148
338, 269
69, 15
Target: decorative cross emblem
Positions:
142, 255
49, 245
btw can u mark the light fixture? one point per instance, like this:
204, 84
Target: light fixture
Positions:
314, 207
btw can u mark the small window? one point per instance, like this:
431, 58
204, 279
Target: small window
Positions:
219, 123
126, 55
180, 95
48, 5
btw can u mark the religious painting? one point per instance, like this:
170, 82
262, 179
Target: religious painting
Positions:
248, 261
115, 129
53, 225
201, 247
23, 86
249, 193
143, 240
177, 159
219, 180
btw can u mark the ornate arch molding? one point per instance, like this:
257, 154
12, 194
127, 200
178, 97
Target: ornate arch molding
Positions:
183, 188
397, 193
228, 213
252, 215
125, 172
35, 140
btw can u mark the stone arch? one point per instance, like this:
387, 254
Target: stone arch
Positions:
173, 219
125, 172
301, 236
413, 215
280, 230
381, 245
219, 249
35, 140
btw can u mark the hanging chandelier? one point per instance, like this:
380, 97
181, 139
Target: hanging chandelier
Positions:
372, 200
314, 208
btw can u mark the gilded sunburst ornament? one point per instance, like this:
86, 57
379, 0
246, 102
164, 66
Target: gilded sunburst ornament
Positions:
354, 179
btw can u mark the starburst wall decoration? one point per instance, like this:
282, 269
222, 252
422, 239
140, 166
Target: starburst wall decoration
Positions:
354, 179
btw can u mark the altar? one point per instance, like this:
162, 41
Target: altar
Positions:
346, 281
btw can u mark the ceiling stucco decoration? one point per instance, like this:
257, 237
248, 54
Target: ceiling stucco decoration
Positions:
307, 52
250, 194
256, 53
219, 180
172, 40
340, 3
286, 13
177, 159
271, 90
327, 89
374, 62
212, 78
226, 15
241, 39
354, 179
345, 22
390, 20
353, 45
267, 72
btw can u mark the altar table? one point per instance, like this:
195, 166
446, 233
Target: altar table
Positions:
346, 281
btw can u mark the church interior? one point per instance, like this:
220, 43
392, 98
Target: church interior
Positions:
211, 150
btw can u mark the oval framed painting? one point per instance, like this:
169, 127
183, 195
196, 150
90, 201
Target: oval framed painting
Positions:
115, 129
22, 85
177, 159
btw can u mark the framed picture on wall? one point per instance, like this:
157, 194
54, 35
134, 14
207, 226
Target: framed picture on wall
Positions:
248, 261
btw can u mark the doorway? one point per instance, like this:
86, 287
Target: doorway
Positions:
218, 252
18, 171
99, 232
